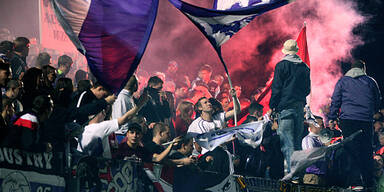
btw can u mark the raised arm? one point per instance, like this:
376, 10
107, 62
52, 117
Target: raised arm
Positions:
129, 114
231, 113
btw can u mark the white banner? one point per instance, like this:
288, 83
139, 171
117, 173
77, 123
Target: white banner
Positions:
250, 133
28, 181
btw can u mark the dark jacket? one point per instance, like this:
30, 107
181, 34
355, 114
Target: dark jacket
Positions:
291, 83
18, 65
87, 98
154, 110
54, 131
356, 95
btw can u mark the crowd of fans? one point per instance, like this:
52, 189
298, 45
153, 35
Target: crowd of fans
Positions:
153, 119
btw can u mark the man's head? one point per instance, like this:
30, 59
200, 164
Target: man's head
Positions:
225, 101
5, 34
162, 132
64, 63
181, 92
378, 162
238, 90
316, 129
99, 91
103, 115
6, 47
205, 73
172, 67
13, 89
275, 120
84, 85
141, 121
132, 84
42, 105
219, 79
161, 75
216, 105
5, 73
134, 135
185, 146
290, 47
156, 83
185, 109
358, 64
43, 59
22, 46
255, 109
378, 126
80, 75
319, 121
203, 105
49, 74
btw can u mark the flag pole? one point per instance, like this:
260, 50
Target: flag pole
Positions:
233, 99
230, 83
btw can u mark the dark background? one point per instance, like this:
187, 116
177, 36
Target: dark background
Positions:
372, 33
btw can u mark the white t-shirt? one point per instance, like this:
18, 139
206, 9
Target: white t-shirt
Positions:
199, 126
123, 104
100, 131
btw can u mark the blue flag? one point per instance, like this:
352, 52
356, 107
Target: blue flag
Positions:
219, 26
111, 34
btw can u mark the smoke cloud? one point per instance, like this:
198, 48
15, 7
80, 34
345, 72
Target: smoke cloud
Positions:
253, 52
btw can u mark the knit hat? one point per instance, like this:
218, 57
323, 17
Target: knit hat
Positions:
290, 47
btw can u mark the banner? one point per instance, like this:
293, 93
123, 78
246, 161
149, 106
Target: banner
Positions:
300, 160
111, 34
108, 175
160, 175
28, 181
52, 35
26, 171
250, 133
47, 163
166, 178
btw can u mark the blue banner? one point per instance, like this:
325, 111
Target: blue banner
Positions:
12, 180
98, 174
111, 34
30, 172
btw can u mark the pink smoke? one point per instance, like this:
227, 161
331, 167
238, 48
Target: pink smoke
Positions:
252, 53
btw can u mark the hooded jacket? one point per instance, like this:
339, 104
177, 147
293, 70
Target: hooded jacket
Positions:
291, 83
356, 96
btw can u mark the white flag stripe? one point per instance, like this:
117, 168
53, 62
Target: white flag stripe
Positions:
250, 133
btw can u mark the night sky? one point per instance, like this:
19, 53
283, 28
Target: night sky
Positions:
372, 33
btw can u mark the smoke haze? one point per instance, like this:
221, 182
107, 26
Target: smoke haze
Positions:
253, 52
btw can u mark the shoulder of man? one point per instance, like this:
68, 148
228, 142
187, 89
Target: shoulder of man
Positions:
194, 122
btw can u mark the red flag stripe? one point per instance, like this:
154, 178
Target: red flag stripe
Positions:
27, 120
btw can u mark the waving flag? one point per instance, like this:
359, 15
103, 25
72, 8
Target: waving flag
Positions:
219, 26
302, 159
250, 133
111, 34
303, 47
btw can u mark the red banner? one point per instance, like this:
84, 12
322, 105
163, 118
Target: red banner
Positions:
52, 35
